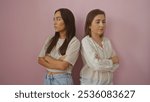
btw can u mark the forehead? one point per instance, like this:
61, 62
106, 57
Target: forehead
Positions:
57, 14
99, 17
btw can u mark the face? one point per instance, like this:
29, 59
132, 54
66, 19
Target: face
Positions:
59, 24
98, 25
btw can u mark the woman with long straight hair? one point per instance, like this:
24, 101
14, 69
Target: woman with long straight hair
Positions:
99, 57
60, 52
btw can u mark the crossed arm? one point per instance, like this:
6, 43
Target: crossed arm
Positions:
93, 59
52, 63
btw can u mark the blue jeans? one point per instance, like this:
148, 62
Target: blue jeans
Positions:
58, 79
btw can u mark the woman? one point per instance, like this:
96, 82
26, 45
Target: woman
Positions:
99, 58
60, 52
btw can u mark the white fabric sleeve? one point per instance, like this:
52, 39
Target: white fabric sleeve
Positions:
44, 47
89, 55
72, 51
115, 66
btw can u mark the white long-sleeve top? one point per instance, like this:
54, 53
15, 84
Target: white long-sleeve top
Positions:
97, 66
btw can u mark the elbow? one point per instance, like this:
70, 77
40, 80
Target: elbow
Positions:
40, 60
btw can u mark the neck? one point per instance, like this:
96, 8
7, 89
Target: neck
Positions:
62, 35
96, 38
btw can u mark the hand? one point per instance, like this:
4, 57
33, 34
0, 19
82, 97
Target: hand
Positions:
62, 57
97, 56
47, 58
115, 59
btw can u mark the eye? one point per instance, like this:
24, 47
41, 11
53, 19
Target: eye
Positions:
98, 22
59, 19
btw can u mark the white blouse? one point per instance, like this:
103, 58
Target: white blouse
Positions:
71, 55
97, 65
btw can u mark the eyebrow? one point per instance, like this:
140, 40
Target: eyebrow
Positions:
58, 17
100, 19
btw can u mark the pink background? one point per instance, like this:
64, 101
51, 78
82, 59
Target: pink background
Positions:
25, 24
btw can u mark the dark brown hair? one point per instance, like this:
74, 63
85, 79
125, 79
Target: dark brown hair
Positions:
90, 18
69, 21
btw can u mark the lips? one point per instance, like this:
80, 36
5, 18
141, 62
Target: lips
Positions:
101, 29
55, 27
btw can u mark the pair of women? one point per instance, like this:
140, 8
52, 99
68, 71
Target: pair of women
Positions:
61, 51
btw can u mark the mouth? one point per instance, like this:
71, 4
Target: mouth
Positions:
101, 29
55, 27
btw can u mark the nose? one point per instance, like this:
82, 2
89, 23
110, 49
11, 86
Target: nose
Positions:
101, 24
55, 22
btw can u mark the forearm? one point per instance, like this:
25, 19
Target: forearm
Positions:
100, 64
43, 62
115, 59
58, 64
115, 64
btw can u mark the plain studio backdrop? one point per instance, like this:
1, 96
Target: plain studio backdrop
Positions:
25, 24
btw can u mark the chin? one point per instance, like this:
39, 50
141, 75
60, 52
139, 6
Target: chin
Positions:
56, 30
100, 34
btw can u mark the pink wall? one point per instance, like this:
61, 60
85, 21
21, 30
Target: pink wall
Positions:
25, 24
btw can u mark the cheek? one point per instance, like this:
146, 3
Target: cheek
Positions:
93, 28
60, 27
61, 23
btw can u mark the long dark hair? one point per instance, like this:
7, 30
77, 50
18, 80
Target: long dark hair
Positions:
69, 21
90, 18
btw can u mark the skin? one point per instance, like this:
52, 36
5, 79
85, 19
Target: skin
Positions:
49, 62
59, 25
97, 29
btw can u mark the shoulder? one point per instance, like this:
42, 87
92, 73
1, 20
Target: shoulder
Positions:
105, 39
75, 40
47, 39
50, 37
86, 39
